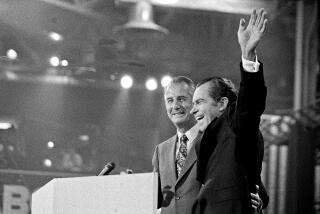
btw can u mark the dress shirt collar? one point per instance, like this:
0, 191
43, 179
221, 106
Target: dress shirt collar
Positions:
191, 134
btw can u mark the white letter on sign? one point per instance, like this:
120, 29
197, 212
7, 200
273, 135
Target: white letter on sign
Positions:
15, 199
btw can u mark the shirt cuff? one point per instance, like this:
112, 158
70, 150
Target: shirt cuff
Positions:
250, 66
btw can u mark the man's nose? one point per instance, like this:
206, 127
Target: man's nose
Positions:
176, 105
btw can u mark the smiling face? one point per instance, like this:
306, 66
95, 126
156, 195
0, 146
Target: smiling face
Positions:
205, 108
178, 101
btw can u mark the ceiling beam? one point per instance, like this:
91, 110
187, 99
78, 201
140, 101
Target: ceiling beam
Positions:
225, 6
78, 6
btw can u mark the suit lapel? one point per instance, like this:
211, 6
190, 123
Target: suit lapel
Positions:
191, 158
170, 156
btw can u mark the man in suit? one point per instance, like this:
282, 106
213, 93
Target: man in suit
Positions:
175, 159
178, 186
231, 150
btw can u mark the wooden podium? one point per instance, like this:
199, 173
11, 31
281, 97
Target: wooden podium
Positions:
112, 194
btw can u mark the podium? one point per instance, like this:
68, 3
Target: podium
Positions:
112, 194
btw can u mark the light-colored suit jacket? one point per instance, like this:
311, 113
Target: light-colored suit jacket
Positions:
176, 194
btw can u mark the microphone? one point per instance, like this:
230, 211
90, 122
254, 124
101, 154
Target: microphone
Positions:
107, 169
129, 171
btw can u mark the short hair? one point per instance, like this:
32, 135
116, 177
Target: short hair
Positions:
220, 87
179, 80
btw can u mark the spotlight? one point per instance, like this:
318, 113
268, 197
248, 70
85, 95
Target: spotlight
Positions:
165, 80
55, 36
50, 144
64, 62
54, 61
47, 163
126, 81
5, 125
12, 54
151, 84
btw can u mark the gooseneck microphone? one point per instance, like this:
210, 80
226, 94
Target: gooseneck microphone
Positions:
107, 169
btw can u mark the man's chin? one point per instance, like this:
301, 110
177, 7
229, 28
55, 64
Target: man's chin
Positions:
202, 127
180, 120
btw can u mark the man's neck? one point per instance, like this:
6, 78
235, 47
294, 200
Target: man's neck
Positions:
184, 129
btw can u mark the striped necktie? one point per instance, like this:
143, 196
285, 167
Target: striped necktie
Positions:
182, 153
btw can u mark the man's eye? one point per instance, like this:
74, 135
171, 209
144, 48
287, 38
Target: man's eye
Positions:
199, 101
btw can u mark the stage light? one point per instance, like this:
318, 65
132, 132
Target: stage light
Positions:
47, 163
12, 54
55, 36
54, 61
151, 84
5, 125
64, 62
126, 81
50, 144
165, 80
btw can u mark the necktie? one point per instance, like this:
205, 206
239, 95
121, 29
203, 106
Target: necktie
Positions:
182, 153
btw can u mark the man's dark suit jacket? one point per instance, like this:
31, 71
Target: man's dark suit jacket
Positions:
231, 151
176, 194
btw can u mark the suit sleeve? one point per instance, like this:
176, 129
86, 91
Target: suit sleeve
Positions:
245, 123
263, 195
155, 164
251, 101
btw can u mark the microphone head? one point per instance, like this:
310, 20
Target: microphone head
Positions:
110, 165
107, 169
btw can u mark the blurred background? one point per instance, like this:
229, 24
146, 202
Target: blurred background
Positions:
81, 85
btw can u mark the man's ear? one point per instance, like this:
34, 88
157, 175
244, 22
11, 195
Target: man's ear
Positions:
223, 103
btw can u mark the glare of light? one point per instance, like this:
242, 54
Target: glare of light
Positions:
12, 54
54, 61
84, 137
47, 162
50, 144
10, 148
113, 77
151, 84
58, 79
55, 36
5, 125
11, 75
165, 80
126, 81
64, 62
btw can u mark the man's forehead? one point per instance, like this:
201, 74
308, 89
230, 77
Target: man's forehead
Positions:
178, 88
201, 91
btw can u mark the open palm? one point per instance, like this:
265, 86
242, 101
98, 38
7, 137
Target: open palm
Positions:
250, 35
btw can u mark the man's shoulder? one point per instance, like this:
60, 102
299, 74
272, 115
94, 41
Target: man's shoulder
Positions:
169, 142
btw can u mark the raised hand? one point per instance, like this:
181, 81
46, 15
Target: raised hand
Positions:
249, 36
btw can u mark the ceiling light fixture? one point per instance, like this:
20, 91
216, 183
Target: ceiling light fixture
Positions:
141, 18
165, 80
126, 81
